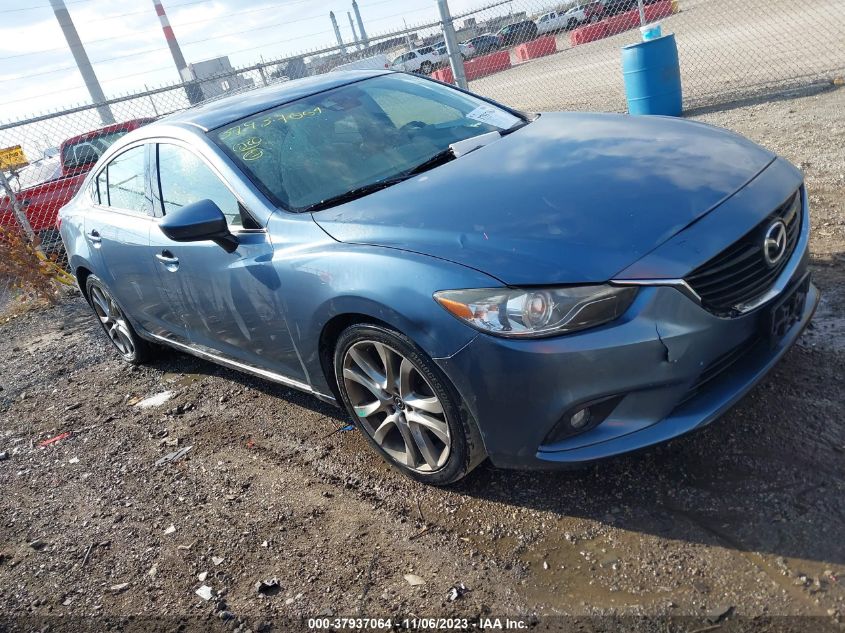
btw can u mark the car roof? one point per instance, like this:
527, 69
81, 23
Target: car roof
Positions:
222, 111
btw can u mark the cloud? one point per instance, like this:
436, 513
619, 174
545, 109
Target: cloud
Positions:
124, 40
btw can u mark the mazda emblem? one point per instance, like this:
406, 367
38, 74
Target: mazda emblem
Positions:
774, 243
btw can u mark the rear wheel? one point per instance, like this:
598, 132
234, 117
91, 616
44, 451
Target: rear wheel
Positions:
405, 406
128, 344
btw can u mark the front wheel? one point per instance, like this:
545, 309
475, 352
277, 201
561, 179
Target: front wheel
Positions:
405, 406
129, 345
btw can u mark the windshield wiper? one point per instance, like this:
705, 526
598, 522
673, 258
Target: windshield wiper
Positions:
440, 158
354, 194
515, 127
359, 192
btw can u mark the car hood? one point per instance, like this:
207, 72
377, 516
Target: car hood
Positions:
569, 198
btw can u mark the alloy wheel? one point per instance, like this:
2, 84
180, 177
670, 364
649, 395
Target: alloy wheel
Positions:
397, 406
112, 320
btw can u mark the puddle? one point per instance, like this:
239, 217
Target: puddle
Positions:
180, 380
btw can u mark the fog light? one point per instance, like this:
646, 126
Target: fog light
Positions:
586, 417
580, 418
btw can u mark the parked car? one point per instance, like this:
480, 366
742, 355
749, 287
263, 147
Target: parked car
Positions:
77, 155
484, 44
517, 33
374, 62
466, 280
554, 21
615, 7
422, 60
467, 51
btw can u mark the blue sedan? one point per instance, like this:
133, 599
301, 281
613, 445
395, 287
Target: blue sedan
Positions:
466, 280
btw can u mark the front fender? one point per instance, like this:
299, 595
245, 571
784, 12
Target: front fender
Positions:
380, 284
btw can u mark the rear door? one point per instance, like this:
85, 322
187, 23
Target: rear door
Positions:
232, 303
117, 227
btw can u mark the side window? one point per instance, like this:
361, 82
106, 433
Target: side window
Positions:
185, 178
121, 183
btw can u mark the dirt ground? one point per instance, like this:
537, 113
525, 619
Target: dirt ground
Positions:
738, 523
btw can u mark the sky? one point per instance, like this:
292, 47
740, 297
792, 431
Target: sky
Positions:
125, 43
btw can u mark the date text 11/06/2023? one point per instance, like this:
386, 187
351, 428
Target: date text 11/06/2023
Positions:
411, 624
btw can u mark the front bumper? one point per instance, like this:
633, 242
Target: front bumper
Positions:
654, 357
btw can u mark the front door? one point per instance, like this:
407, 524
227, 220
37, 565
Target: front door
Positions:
231, 303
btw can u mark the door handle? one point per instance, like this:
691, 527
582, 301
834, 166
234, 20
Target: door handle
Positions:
167, 258
94, 236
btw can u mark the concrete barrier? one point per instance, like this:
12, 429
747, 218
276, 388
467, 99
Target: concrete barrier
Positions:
623, 22
538, 48
444, 74
589, 33
477, 67
658, 10
486, 65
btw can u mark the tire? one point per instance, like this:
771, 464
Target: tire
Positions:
131, 348
426, 68
442, 449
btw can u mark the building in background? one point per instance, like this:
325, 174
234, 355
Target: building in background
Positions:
216, 77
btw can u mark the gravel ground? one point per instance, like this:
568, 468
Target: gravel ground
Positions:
740, 520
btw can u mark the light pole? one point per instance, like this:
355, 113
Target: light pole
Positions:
453, 49
82, 61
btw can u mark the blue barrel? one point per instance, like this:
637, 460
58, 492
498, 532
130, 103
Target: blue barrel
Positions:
652, 77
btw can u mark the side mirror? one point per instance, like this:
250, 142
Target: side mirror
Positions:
199, 221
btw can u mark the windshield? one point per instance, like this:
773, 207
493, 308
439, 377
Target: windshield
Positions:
325, 145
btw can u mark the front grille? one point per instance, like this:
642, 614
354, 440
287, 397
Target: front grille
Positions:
740, 273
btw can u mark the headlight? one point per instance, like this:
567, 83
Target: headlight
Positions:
536, 312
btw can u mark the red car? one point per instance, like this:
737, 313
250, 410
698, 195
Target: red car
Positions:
77, 155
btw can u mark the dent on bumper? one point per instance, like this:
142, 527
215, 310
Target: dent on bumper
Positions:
518, 390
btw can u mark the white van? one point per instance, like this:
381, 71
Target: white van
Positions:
376, 62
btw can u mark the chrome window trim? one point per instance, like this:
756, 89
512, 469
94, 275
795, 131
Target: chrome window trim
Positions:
233, 364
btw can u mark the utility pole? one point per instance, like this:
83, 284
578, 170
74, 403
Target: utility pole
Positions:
82, 61
354, 34
337, 33
456, 60
362, 33
193, 90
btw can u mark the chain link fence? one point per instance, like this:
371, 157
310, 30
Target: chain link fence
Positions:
531, 54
